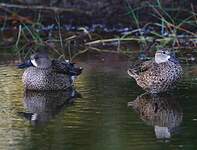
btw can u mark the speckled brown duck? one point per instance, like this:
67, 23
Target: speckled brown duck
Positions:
158, 75
43, 74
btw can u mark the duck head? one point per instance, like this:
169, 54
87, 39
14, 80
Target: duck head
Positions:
39, 60
165, 55
162, 56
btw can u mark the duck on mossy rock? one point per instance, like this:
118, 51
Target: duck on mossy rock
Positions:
44, 74
158, 75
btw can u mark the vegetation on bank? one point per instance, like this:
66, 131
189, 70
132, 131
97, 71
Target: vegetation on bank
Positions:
164, 27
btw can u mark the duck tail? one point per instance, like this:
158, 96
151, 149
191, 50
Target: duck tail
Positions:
132, 73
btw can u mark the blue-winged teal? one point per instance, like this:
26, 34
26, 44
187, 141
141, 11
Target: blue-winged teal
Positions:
42, 73
157, 75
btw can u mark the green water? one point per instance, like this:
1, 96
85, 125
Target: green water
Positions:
101, 118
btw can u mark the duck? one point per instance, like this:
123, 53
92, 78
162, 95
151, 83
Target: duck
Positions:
45, 74
159, 74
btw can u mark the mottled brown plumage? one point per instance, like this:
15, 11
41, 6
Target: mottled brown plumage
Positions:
44, 79
157, 77
46, 74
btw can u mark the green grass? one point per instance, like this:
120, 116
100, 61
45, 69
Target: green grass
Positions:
70, 45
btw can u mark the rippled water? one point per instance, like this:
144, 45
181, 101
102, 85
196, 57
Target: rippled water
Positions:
101, 119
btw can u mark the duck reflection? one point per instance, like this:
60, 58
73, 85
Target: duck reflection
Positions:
44, 105
161, 111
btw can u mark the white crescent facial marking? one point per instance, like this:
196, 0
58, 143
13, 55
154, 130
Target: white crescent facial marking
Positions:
34, 63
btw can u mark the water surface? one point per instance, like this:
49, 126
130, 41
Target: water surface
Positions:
101, 118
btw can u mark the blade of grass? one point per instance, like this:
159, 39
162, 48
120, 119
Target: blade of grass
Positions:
19, 36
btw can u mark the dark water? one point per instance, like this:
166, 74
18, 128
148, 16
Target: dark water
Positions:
101, 118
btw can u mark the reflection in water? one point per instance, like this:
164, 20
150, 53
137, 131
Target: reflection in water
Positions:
43, 106
161, 111
99, 120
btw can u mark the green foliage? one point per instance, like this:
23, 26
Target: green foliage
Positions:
168, 31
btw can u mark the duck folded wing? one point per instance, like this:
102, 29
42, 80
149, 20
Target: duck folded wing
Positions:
146, 65
66, 68
140, 67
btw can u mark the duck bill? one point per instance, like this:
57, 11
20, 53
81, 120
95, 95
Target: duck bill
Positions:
25, 64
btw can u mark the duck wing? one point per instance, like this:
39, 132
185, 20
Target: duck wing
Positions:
139, 68
64, 67
146, 65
